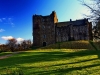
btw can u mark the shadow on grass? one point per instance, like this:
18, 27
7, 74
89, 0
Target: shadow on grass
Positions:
65, 70
61, 71
50, 56
34, 57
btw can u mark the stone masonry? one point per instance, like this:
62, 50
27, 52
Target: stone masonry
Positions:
47, 30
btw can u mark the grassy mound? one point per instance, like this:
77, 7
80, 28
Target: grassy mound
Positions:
97, 45
71, 45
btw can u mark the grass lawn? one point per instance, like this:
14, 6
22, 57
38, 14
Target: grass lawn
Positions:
52, 62
97, 45
71, 45
5, 53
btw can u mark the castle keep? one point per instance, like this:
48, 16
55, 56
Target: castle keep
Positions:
47, 30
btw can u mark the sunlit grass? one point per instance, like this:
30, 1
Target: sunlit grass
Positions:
67, 58
77, 45
53, 62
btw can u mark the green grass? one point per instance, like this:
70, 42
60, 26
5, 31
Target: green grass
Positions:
97, 45
67, 58
71, 45
5, 53
52, 62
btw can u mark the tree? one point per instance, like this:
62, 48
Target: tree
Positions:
95, 33
24, 44
12, 44
29, 43
94, 8
18, 47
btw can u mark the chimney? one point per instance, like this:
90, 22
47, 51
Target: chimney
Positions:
70, 20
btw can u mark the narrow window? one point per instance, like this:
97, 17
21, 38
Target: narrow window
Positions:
44, 36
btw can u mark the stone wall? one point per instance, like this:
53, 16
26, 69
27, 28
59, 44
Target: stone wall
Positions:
36, 30
47, 30
66, 31
62, 33
44, 29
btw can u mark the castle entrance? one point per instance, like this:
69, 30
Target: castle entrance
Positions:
44, 43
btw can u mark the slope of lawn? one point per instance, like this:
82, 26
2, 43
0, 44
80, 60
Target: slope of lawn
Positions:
97, 45
52, 62
71, 45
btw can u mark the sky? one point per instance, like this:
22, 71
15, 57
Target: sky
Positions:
16, 15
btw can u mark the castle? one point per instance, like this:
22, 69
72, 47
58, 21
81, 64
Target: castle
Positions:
47, 30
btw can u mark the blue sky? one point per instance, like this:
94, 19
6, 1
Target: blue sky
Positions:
16, 15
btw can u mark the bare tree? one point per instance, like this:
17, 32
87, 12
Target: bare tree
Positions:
12, 44
24, 44
1, 48
18, 47
29, 43
94, 7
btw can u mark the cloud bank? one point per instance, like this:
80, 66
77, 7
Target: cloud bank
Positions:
10, 37
6, 37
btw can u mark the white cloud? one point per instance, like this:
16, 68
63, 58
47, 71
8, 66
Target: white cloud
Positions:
10, 37
12, 24
1, 30
9, 18
8, 21
19, 39
7, 37
0, 20
4, 18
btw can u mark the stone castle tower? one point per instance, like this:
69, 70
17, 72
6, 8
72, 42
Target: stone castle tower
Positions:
44, 29
47, 30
